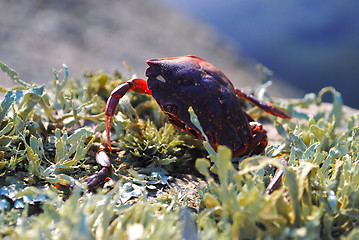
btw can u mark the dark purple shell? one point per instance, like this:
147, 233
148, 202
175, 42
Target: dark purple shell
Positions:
181, 82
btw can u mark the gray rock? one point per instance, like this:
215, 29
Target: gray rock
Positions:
38, 35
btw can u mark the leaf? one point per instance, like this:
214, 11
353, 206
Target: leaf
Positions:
211, 202
60, 178
280, 129
6, 129
292, 185
52, 169
337, 109
304, 170
297, 142
291, 161
206, 144
341, 149
4, 141
34, 160
318, 132
77, 135
30, 100
224, 164
13, 75
202, 165
6, 104
60, 147
327, 162
332, 200
309, 152
80, 152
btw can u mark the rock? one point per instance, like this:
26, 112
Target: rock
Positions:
36, 36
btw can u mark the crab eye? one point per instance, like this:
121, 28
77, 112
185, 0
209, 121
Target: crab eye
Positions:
160, 78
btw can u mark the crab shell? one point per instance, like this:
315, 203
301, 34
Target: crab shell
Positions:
180, 82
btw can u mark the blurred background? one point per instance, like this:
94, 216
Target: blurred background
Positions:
308, 45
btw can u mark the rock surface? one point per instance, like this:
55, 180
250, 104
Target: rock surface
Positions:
36, 36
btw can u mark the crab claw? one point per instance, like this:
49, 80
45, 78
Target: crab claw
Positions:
104, 161
98, 178
136, 85
111, 107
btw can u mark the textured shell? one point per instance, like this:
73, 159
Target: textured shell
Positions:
181, 82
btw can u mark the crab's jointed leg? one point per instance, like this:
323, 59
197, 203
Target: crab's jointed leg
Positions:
104, 161
137, 85
273, 185
256, 144
262, 105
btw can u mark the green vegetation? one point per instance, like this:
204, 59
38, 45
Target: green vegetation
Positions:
49, 139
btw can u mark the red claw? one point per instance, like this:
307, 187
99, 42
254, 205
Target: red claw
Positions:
139, 85
135, 85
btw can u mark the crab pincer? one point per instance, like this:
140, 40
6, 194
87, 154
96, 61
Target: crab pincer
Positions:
136, 85
104, 161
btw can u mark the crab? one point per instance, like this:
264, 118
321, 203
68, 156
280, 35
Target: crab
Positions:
189, 81
180, 82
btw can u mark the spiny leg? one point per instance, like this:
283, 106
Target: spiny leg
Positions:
260, 137
262, 105
258, 131
104, 161
277, 179
256, 144
136, 85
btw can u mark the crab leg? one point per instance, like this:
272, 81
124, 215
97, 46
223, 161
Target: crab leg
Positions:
136, 85
273, 185
262, 105
104, 161
256, 144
